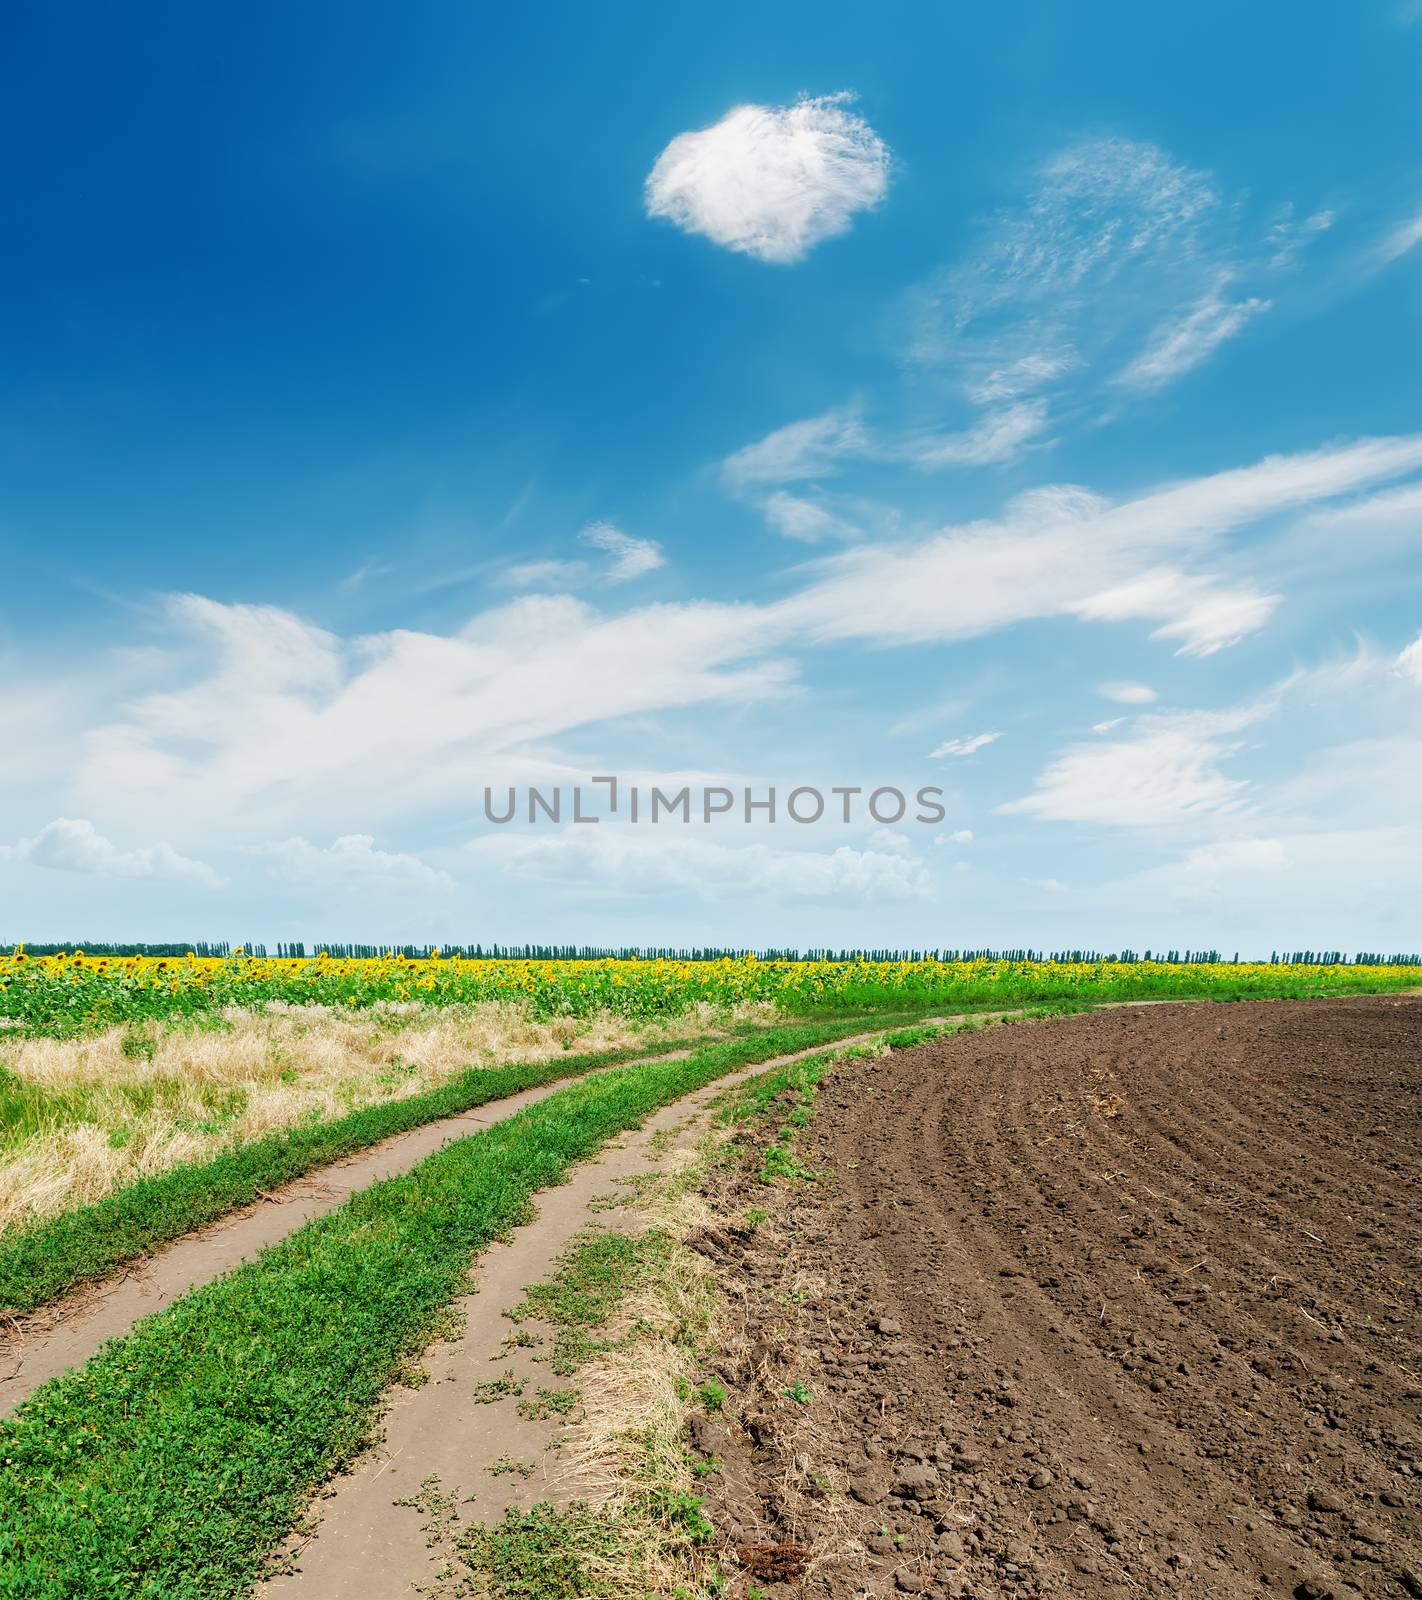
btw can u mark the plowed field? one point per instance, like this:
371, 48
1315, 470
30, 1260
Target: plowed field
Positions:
1125, 1304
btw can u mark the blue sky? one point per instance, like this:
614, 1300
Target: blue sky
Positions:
1021, 401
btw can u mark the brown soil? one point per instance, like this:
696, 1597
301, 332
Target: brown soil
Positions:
1113, 1305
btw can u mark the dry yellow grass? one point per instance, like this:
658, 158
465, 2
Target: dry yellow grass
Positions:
84, 1116
629, 1439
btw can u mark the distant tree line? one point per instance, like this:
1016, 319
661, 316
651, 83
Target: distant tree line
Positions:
586, 952
98, 947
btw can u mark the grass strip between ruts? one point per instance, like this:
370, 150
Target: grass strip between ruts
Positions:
652, 1532
179, 1456
47, 1259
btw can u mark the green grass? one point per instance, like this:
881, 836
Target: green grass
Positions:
654, 1526
1043, 984
179, 1456
591, 1280
792, 1091
48, 1259
504, 1387
43, 1261
553, 1552
548, 1403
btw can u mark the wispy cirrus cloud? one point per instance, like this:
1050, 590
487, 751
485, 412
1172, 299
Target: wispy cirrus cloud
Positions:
550, 574
823, 446
1127, 694
795, 517
1403, 238
1290, 236
996, 436
1065, 552
1120, 271
256, 720
1173, 769
631, 558
1409, 662
1109, 227
772, 181
628, 558
1020, 376
813, 447
964, 746
1183, 342
1387, 521
1334, 835
1168, 770
1121, 267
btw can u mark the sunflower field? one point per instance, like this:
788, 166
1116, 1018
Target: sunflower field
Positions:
71, 993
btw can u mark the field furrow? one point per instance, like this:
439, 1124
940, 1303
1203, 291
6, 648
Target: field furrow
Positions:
1121, 1304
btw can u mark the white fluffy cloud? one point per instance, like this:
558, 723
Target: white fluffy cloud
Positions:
964, 747
72, 844
771, 182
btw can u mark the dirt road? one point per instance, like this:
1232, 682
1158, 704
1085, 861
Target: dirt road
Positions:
1117, 1305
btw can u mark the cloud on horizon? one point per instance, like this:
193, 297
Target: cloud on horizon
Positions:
351, 861
617, 861
73, 844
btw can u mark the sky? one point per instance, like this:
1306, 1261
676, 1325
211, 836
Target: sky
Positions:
1019, 402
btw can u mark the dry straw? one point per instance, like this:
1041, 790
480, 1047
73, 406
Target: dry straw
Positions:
88, 1115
